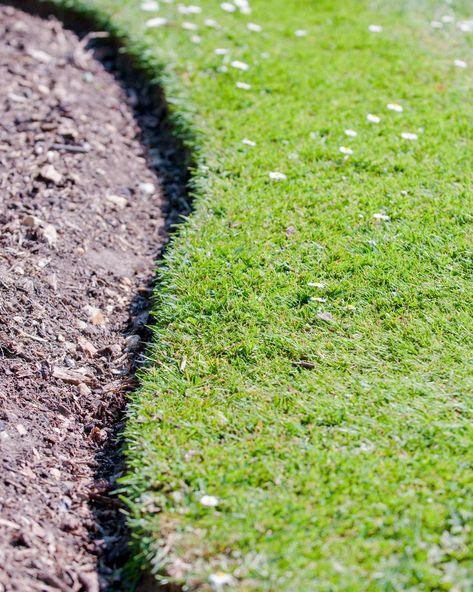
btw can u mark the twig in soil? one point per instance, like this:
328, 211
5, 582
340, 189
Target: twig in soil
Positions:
71, 148
33, 337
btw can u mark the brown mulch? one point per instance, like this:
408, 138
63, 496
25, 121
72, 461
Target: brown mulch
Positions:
81, 223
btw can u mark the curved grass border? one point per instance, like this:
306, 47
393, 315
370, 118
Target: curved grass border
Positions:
411, 338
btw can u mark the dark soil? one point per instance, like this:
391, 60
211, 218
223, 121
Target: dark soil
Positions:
82, 219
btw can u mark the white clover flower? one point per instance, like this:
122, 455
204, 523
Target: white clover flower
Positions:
248, 142
395, 107
351, 133
228, 7
275, 176
149, 6
373, 118
243, 85
460, 64
189, 26
300, 33
240, 65
156, 22
375, 29
409, 136
381, 217
254, 27
209, 501
345, 150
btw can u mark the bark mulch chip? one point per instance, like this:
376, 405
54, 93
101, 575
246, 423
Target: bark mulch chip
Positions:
81, 223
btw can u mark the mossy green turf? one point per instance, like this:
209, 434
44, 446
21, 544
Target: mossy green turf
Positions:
356, 473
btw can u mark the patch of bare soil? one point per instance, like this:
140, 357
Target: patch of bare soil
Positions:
81, 224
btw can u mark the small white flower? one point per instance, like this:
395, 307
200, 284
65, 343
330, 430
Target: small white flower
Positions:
220, 579
351, 133
192, 9
460, 64
209, 501
381, 217
316, 285
395, 107
300, 33
318, 299
345, 150
228, 7
221, 51
275, 176
373, 118
243, 85
465, 26
211, 23
156, 22
243, 5
409, 136
189, 26
240, 65
248, 142
448, 18
436, 25
149, 6
375, 29
196, 39
254, 27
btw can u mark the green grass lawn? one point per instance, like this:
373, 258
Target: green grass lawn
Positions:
306, 421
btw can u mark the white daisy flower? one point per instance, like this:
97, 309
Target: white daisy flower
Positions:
211, 23
254, 27
243, 85
351, 133
465, 26
220, 579
275, 176
228, 7
240, 65
209, 501
345, 150
196, 39
191, 9
373, 118
395, 107
248, 142
189, 26
460, 64
221, 51
381, 217
149, 6
375, 29
159, 21
300, 33
409, 136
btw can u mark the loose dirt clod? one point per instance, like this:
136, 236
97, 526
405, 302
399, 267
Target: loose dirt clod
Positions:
73, 310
